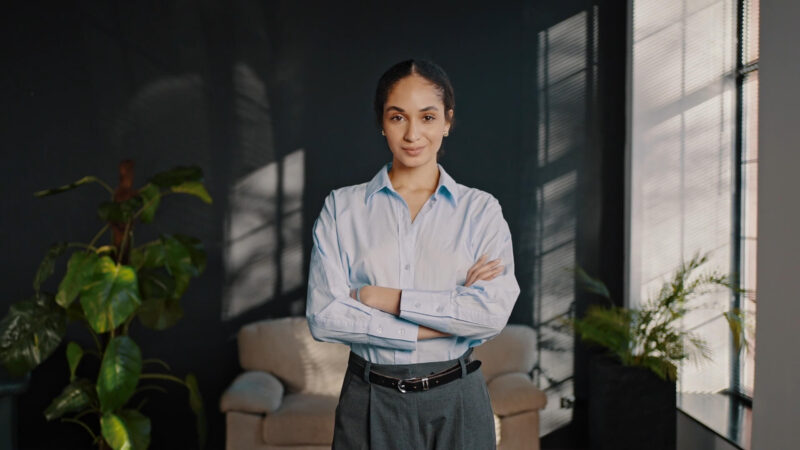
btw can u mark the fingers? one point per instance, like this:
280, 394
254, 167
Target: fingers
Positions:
472, 269
483, 271
490, 269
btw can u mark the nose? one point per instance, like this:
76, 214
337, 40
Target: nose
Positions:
412, 132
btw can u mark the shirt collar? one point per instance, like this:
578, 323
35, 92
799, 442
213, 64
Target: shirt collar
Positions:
447, 185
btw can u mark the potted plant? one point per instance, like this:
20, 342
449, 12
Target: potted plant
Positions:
632, 398
104, 287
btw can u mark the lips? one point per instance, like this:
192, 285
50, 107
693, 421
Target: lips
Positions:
413, 150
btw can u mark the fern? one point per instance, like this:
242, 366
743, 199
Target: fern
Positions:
652, 336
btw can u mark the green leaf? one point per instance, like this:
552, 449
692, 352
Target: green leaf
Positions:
181, 284
128, 430
736, 323
31, 332
80, 270
196, 403
195, 188
177, 258
74, 355
160, 313
176, 176
178, 254
148, 256
151, 197
119, 373
119, 212
111, 297
76, 396
47, 264
589, 284
196, 250
75, 312
160, 309
66, 187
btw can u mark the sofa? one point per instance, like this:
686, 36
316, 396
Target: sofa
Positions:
286, 396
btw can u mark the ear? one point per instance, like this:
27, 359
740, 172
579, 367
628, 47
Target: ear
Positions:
449, 117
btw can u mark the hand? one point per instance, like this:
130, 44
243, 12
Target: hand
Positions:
483, 270
385, 299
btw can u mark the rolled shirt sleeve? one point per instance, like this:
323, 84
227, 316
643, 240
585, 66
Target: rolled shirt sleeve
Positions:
334, 316
480, 311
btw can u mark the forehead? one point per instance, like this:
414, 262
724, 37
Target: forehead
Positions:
414, 90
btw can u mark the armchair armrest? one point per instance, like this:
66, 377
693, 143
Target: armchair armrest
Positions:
513, 393
253, 392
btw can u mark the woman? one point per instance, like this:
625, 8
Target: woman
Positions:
406, 269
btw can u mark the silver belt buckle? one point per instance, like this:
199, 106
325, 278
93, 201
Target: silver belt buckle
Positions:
400, 386
425, 386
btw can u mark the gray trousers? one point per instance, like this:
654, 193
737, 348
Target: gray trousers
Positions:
457, 415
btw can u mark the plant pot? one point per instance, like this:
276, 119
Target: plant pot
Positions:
630, 407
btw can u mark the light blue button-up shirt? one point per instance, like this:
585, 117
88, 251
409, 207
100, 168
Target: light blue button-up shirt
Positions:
364, 236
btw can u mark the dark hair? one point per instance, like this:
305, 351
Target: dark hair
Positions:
424, 68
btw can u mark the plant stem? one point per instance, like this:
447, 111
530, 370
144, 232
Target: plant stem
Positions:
139, 212
148, 387
95, 338
97, 236
81, 423
161, 376
103, 183
156, 360
127, 324
124, 240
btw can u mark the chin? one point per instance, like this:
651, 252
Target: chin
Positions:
417, 161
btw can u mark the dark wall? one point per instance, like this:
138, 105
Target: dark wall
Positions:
236, 86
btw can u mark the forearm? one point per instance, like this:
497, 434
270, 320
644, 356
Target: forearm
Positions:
388, 300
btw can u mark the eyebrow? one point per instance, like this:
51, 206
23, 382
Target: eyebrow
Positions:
397, 108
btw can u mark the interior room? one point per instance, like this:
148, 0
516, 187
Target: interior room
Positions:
169, 168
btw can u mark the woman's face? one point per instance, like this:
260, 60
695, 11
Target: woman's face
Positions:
414, 121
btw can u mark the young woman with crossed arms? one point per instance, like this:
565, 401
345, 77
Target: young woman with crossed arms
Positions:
406, 269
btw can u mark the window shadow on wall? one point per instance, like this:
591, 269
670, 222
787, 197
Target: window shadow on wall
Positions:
560, 141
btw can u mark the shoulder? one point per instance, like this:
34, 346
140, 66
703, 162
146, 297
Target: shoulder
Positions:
343, 196
477, 200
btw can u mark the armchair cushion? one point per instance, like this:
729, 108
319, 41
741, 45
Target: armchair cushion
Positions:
513, 393
302, 419
253, 392
285, 348
513, 350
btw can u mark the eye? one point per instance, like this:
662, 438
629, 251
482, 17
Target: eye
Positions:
396, 118
429, 118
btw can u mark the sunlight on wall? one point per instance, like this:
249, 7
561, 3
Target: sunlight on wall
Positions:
682, 131
263, 255
564, 75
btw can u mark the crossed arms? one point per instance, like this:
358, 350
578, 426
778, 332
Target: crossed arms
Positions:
397, 319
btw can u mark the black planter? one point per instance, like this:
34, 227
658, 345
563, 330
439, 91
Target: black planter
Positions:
630, 407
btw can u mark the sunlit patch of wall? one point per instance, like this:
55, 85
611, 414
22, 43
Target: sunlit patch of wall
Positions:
262, 251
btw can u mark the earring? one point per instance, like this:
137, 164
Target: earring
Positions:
382, 133
445, 133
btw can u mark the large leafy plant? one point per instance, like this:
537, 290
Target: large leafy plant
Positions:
652, 336
104, 288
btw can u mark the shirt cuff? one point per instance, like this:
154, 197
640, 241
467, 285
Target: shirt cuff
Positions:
414, 303
384, 327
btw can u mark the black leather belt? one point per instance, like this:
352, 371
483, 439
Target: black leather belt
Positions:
414, 384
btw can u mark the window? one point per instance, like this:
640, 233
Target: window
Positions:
692, 172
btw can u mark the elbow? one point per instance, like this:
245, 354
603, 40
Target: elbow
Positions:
318, 332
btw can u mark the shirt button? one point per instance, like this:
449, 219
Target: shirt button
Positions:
402, 331
418, 304
440, 309
380, 330
408, 266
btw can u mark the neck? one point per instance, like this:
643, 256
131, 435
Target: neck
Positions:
421, 178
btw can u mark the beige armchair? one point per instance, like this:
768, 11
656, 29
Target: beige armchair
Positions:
287, 396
